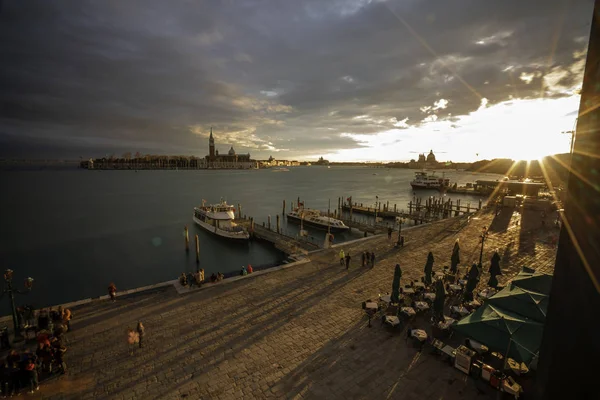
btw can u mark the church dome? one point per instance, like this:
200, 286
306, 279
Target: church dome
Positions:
231, 151
431, 157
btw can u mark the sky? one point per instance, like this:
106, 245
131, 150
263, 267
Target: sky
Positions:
350, 80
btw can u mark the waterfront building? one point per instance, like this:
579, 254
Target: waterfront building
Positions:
231, 160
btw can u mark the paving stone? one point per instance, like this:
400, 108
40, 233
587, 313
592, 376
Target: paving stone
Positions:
294, 333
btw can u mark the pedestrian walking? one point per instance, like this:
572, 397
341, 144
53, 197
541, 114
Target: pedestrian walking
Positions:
389, 233
342, 257
364, 258
59, 358
372, 259
66, 317
348, 258
112, 291
133, 338
141, 332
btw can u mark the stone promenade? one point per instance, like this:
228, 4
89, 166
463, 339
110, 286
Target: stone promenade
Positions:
294, 333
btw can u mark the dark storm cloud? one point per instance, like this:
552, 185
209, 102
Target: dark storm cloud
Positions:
269, 75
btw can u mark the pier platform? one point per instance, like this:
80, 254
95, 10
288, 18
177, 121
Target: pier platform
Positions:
298, 332
287, 244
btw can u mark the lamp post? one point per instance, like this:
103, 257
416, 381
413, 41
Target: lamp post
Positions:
8, 276
400, 222
483, 236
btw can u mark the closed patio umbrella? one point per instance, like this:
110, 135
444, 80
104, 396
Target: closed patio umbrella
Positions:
396, 284
428, 268
472, 281
440, 298
494, 270
455, 259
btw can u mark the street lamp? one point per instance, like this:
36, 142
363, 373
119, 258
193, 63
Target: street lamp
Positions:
483, 236
400, 222
8, 276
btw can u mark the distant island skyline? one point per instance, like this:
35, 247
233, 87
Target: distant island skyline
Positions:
555, 166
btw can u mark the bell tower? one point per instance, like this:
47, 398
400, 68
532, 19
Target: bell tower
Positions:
211, 145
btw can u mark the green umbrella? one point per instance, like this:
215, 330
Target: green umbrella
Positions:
455, 259
440, 298
396, 284
503, 331
428, 268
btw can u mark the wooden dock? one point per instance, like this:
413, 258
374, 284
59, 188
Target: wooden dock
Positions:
285, 243
359, 209
419, 211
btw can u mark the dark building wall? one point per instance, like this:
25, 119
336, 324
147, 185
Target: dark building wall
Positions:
569, 365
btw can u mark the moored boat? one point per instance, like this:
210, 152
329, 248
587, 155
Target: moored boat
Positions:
313, 218
429, 181
219, 220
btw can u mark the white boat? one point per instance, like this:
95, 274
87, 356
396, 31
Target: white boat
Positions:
219, 219
429, 181
314, 218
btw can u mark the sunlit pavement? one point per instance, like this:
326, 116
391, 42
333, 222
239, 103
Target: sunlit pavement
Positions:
295, 333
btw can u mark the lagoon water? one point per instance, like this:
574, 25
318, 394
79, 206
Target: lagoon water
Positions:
75, 231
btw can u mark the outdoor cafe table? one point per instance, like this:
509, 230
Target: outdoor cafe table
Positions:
409, 311
419, 334
446, 324
439, 274
421, 305
449, 351
473, 303
408, 291
487, 293
371, 305
455, 288
429, 296
460, 310
462, 281
386, 298
419, 285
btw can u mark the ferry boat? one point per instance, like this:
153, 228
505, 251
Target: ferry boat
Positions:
219, 219
314, 218
429, 181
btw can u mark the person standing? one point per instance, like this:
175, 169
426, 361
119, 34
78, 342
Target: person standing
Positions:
372, 259
66, 317
141, 332
112, 291
364, 258
133, 338
32, 376
342, 257
59, 357
348, 258
390, 232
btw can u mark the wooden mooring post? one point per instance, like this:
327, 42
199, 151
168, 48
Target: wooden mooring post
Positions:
239, 211
283, 212
277, 218
269, 222
187, 238
197, 251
